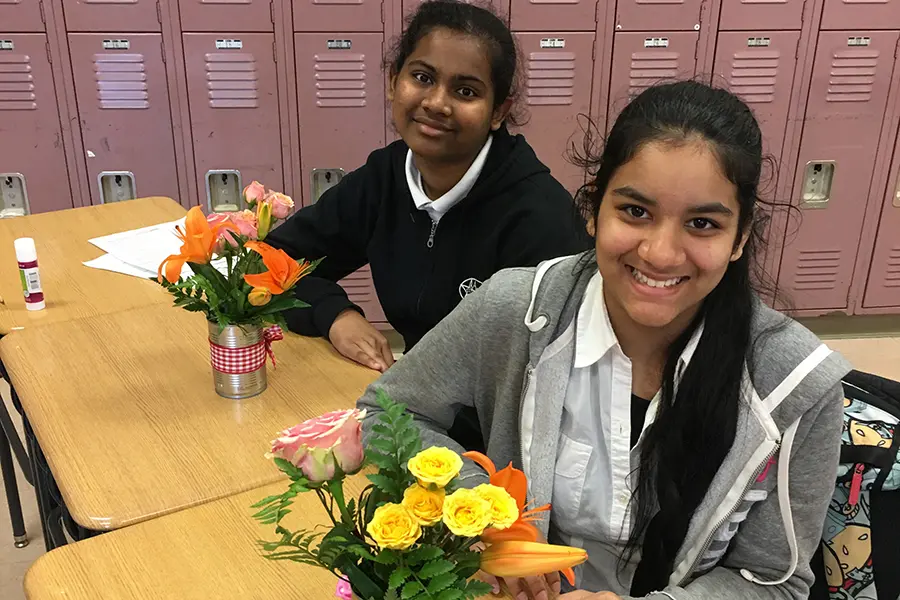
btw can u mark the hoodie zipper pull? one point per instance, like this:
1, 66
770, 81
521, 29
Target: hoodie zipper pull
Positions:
430, 242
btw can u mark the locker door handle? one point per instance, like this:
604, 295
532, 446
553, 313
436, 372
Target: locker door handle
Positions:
817, 183
897, 193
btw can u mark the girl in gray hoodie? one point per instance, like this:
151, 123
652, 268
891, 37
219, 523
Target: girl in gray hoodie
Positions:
686, 435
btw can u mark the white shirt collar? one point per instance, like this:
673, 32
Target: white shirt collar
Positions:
594, 335
438, 208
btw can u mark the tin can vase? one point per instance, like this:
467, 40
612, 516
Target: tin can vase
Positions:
238, 357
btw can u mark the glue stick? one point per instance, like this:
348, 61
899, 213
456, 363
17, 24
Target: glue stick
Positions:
26, 255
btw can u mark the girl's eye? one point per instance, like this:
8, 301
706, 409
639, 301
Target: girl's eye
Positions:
702, 224
635, 212
422, 77
467, 92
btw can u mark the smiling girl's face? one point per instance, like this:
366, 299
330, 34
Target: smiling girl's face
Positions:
666, 231
443, 99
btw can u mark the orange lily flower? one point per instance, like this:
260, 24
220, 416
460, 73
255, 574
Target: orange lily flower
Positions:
515, 483
528, 559
198, 244
283, 271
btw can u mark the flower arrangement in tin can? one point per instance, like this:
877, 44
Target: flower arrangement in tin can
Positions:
413, 533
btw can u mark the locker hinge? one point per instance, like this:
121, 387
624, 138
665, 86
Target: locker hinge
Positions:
272, 10
159, 12
49, 56
897, 49
797, 49
383, 18
274, 52
803, 13
597, 12
162, 51
594, 51
43, 15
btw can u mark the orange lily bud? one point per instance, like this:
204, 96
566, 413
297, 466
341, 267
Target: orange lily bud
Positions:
528, 559
259, 296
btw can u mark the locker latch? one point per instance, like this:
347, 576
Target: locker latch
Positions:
223, 191
116, 186
323, 180
817, 183
13, 195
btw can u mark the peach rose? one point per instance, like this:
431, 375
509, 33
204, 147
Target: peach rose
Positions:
246, 223
281, 205
254, 192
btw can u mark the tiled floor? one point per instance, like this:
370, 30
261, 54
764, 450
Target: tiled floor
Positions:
876, 355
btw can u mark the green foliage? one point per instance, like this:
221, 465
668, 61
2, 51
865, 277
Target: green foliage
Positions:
395, 439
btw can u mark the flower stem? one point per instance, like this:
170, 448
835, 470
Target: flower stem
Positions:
336, 489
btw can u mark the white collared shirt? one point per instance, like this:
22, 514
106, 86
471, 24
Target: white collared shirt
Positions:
439, 207
593, 481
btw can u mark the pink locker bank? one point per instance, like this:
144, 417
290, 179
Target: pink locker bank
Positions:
235, 126
123, 108
759, 67
341, 98
883, 286
557, 89
641, 60
32, 162
747, 15
847, 101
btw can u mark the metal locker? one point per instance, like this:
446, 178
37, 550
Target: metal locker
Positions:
222, 15
658, 15
33, 175
744, 15
759, 67
340, 89
847, 99
558, 15
643, 59
883, 286
112, 15
861, 14
558, 72
21, 16
500, 7
123, 108
340, 15
233, 97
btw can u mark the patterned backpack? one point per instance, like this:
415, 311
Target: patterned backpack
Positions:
859, 558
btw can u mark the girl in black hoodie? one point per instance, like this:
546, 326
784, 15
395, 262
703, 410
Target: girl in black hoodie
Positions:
434, 215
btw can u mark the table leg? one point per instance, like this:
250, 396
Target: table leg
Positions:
41, 489
12, 493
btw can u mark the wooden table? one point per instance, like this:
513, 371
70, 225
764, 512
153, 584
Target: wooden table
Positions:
72, 290
124, 409
206, 552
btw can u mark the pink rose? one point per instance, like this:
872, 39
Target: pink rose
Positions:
254, 193
281, 205
319, 445
245, 222
216, 219
343, 590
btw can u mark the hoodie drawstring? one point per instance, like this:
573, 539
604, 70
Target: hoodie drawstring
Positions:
535, 325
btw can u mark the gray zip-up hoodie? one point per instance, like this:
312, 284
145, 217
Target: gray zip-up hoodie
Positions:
508, 351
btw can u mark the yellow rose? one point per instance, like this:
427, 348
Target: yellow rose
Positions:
393, 527
466, 513
424, 504
435, 465
504, 511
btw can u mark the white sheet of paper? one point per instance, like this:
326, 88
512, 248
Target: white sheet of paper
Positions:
140, 251
108, 262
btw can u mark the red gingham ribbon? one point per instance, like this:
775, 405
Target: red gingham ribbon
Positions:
236, 361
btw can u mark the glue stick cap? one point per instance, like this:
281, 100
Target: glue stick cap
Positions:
25, 250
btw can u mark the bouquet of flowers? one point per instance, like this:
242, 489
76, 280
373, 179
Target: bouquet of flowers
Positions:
236, 279
412, 533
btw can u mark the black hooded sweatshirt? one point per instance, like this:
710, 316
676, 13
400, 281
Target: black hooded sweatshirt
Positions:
517, 214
